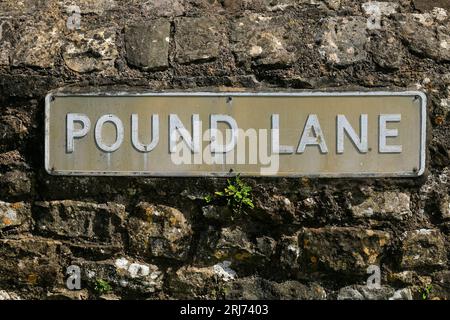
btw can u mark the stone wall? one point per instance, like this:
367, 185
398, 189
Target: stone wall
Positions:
156, 238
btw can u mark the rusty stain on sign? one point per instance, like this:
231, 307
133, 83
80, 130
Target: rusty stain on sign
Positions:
323, 134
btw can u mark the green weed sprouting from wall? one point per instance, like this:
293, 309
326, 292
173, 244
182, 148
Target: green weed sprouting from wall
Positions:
425, 292
102, 286
237, 195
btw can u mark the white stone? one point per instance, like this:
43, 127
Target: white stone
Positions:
224, 271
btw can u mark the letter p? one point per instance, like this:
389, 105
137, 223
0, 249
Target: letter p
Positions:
73, 133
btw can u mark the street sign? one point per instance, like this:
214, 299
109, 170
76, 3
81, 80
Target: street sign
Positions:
291, 134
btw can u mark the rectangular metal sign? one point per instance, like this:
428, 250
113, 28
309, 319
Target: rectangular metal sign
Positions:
324, 134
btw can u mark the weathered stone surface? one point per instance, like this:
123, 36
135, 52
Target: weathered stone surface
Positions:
441, 283
93, 50
89, 6
159, 231
426, 5
289, 252
343, 249
194, 283
255, 288
279, 209
409, 278
197, 39
15, 184
387, 50
344, 40
423, 248
402, 294
266, 246
256, 39
12, 128
81, 221
427, 34
361, 292
444, 206
38, 46
234, 245
376, 11
65, 294
30, 262
123, 275
12, 160
5, 295
7, 40
25, 86
147, 45
390, 204
14, 214
217, 213
164, 8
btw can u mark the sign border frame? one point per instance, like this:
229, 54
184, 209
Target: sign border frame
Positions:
423, 127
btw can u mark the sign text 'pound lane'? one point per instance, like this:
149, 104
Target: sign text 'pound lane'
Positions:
275, 134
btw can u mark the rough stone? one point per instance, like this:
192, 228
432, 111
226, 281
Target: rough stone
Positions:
14, 214
147, 45
14, 184
289, 252
81, 221
255, 288
361, 292
25, 86
5, 295
159, 231
426, 35
444, 207
266, 246
256, 39
423, 248
164, 8
409, 278
7, 41
65, 294
217, 213
344, 40
441, 283
278, 209
123, 275
88, 6
30, 262
387, 50
234, 245
402, 294
93, 50
426, 5
12, 128
197, 39
12, 160
395, 205
343, 249
194, 283
38, 46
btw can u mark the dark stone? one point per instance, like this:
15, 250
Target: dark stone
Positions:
159, 232
147, 45
29, 262
197, 39
423, 248
81, 221
255, 288
426, 5
347, 250
14, 184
